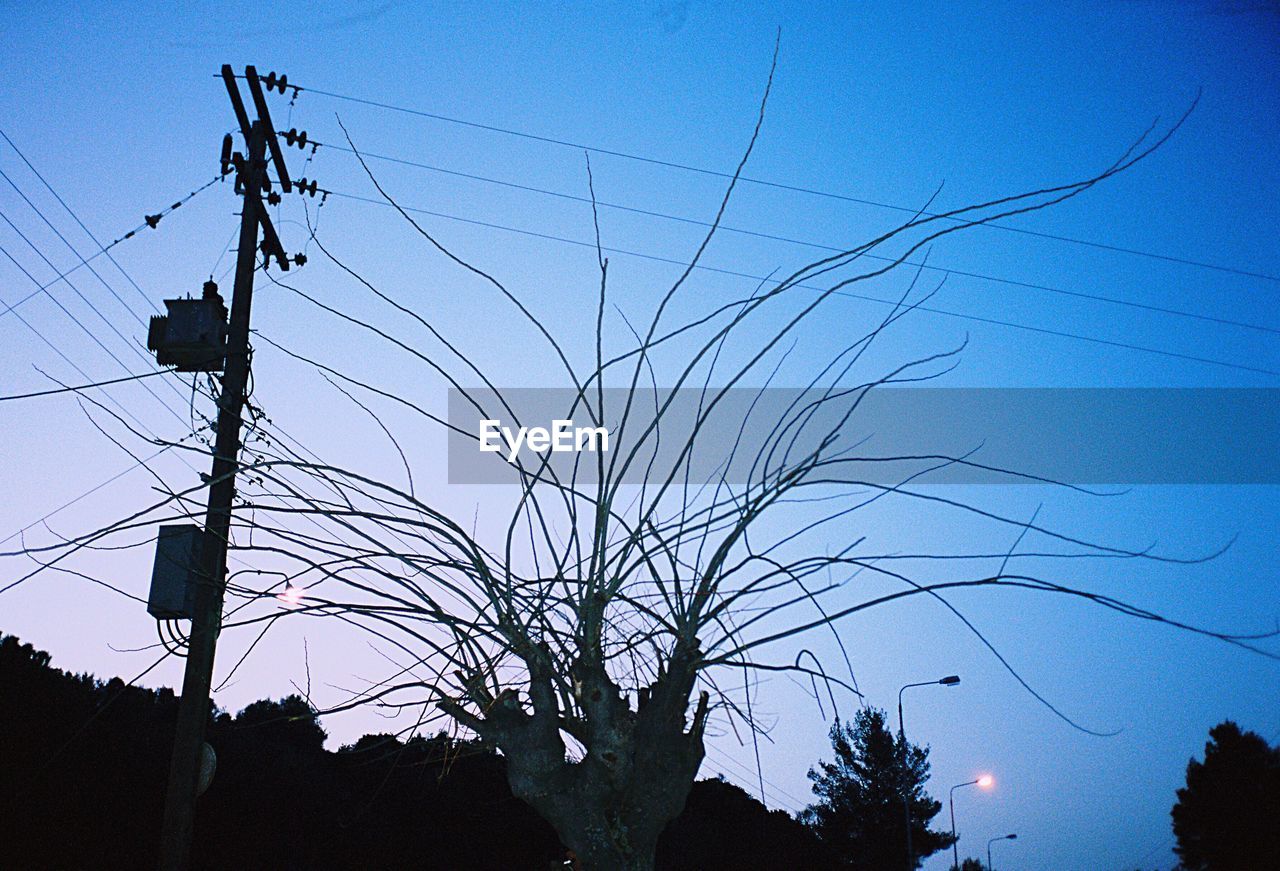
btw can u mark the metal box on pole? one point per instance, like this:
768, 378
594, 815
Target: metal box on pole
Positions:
173, 580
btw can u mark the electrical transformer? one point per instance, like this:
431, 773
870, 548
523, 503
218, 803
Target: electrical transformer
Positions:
193, 336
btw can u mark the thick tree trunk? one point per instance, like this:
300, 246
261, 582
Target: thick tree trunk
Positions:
601, 844
610, 828
610, 807
610, 825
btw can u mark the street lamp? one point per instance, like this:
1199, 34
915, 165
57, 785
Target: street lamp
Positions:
992, 841
985, 781
948, 681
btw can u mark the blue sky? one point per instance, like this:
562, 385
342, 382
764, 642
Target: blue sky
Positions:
118, 108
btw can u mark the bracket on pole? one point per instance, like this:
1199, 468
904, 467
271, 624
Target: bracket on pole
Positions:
264, 116
233, 90
270, 241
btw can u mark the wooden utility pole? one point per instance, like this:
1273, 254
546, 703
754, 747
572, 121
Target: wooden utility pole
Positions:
210, 578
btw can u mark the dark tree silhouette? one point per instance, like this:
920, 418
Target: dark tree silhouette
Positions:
290, 720
1227, 817
763, 840
970, 864
860, 812
82, 764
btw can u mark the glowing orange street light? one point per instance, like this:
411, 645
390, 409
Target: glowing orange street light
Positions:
985, 781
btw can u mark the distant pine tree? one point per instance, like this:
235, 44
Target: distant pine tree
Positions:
860, 813
1225, 818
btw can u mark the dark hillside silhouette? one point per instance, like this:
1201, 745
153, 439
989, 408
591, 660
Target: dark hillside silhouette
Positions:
83, 764
80, 779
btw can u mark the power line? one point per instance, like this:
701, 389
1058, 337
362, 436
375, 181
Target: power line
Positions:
1166, 844
1168, 258
77, 368
77, 321
774, 792
148, 221
760, 278
151, 221
57, 350
87, 493
83, 374
793, 241
64, 241
144, 462
81, 387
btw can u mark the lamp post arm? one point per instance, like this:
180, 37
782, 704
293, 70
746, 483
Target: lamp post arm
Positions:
951, 800
955, 853
992, 841
902, 738
901, 734
923, 683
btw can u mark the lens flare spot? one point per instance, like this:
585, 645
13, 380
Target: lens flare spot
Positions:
292, 596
